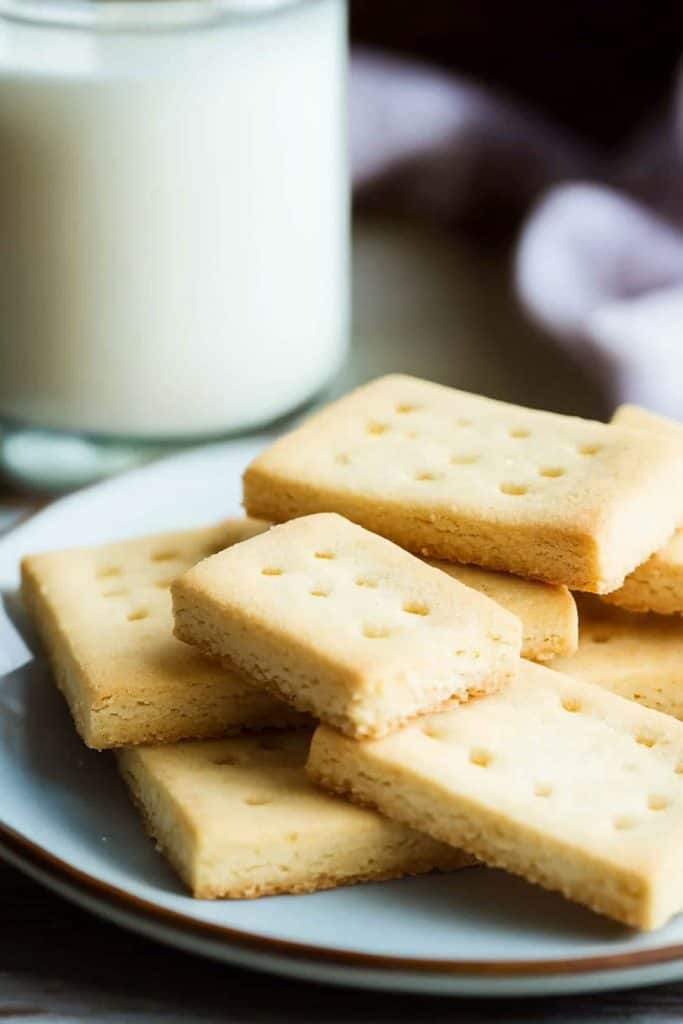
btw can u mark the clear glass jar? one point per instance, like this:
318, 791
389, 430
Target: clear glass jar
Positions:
174, 200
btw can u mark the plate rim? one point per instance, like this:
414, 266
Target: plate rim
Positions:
127, 903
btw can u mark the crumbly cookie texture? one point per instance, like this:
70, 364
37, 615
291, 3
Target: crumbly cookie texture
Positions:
239, 818
553, 779
547, 613
104, 616
454, 476
637, 656
657, 584
346, 625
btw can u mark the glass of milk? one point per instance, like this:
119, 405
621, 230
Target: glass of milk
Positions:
174, 222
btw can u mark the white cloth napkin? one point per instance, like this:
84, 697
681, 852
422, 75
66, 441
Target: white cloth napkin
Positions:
599, 261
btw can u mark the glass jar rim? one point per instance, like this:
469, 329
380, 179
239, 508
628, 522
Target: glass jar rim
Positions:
138, 15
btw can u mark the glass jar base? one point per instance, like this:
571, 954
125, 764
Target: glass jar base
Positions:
52, 462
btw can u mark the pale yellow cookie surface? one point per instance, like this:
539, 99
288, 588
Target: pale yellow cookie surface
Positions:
637, 656
553, 779
458, 477
547, 613
239, 818
104, 616
657, 584
345, 624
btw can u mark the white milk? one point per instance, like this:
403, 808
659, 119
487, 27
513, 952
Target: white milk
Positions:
173, 222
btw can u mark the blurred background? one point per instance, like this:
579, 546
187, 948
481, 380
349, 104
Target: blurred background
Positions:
543, 143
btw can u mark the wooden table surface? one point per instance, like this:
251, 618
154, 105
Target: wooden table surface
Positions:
59, 963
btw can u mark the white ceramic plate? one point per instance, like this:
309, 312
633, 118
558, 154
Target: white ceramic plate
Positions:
66, 820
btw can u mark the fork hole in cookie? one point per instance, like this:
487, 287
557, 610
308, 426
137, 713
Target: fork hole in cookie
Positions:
623, 822
645, 739
416, 608
428, 475
293, 837
108, 570
375, 632
513, 489
325, 555
552, 472
656, 802
543, 789
404, 407
571, 704
257, 801
366, 581
271, 570
319, 592
376, 427
167, 555
433, 732
343, 459
519, 433
462, 421
137, 614
482, 758
464, 460
588, 449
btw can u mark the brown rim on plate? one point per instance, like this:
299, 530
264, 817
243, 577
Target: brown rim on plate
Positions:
60, 870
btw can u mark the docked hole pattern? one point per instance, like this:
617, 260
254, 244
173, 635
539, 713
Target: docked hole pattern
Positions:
571, 704
257, 801
656, 802
480, 757
416, 608
623, 822
107, 571
588, 449
373, 632
137, 614
166, 555
271, 570
513, 489
552, 472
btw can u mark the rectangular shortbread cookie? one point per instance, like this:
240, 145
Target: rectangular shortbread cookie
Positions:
657, 584
344, 624
463, 478
638, 656
104, 615
553, 779
547, 613
239, 818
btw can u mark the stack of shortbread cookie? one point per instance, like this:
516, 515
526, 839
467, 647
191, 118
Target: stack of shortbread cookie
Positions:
428, 543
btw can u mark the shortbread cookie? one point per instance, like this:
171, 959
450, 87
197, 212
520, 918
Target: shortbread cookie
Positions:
239, 818
462, 478
104, 614
640, 657
553, 779
547, 613
344, 624
657, 584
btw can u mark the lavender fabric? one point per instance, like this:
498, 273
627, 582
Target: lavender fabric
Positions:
599, 258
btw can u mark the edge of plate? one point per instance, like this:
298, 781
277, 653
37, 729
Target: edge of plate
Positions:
94, 889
